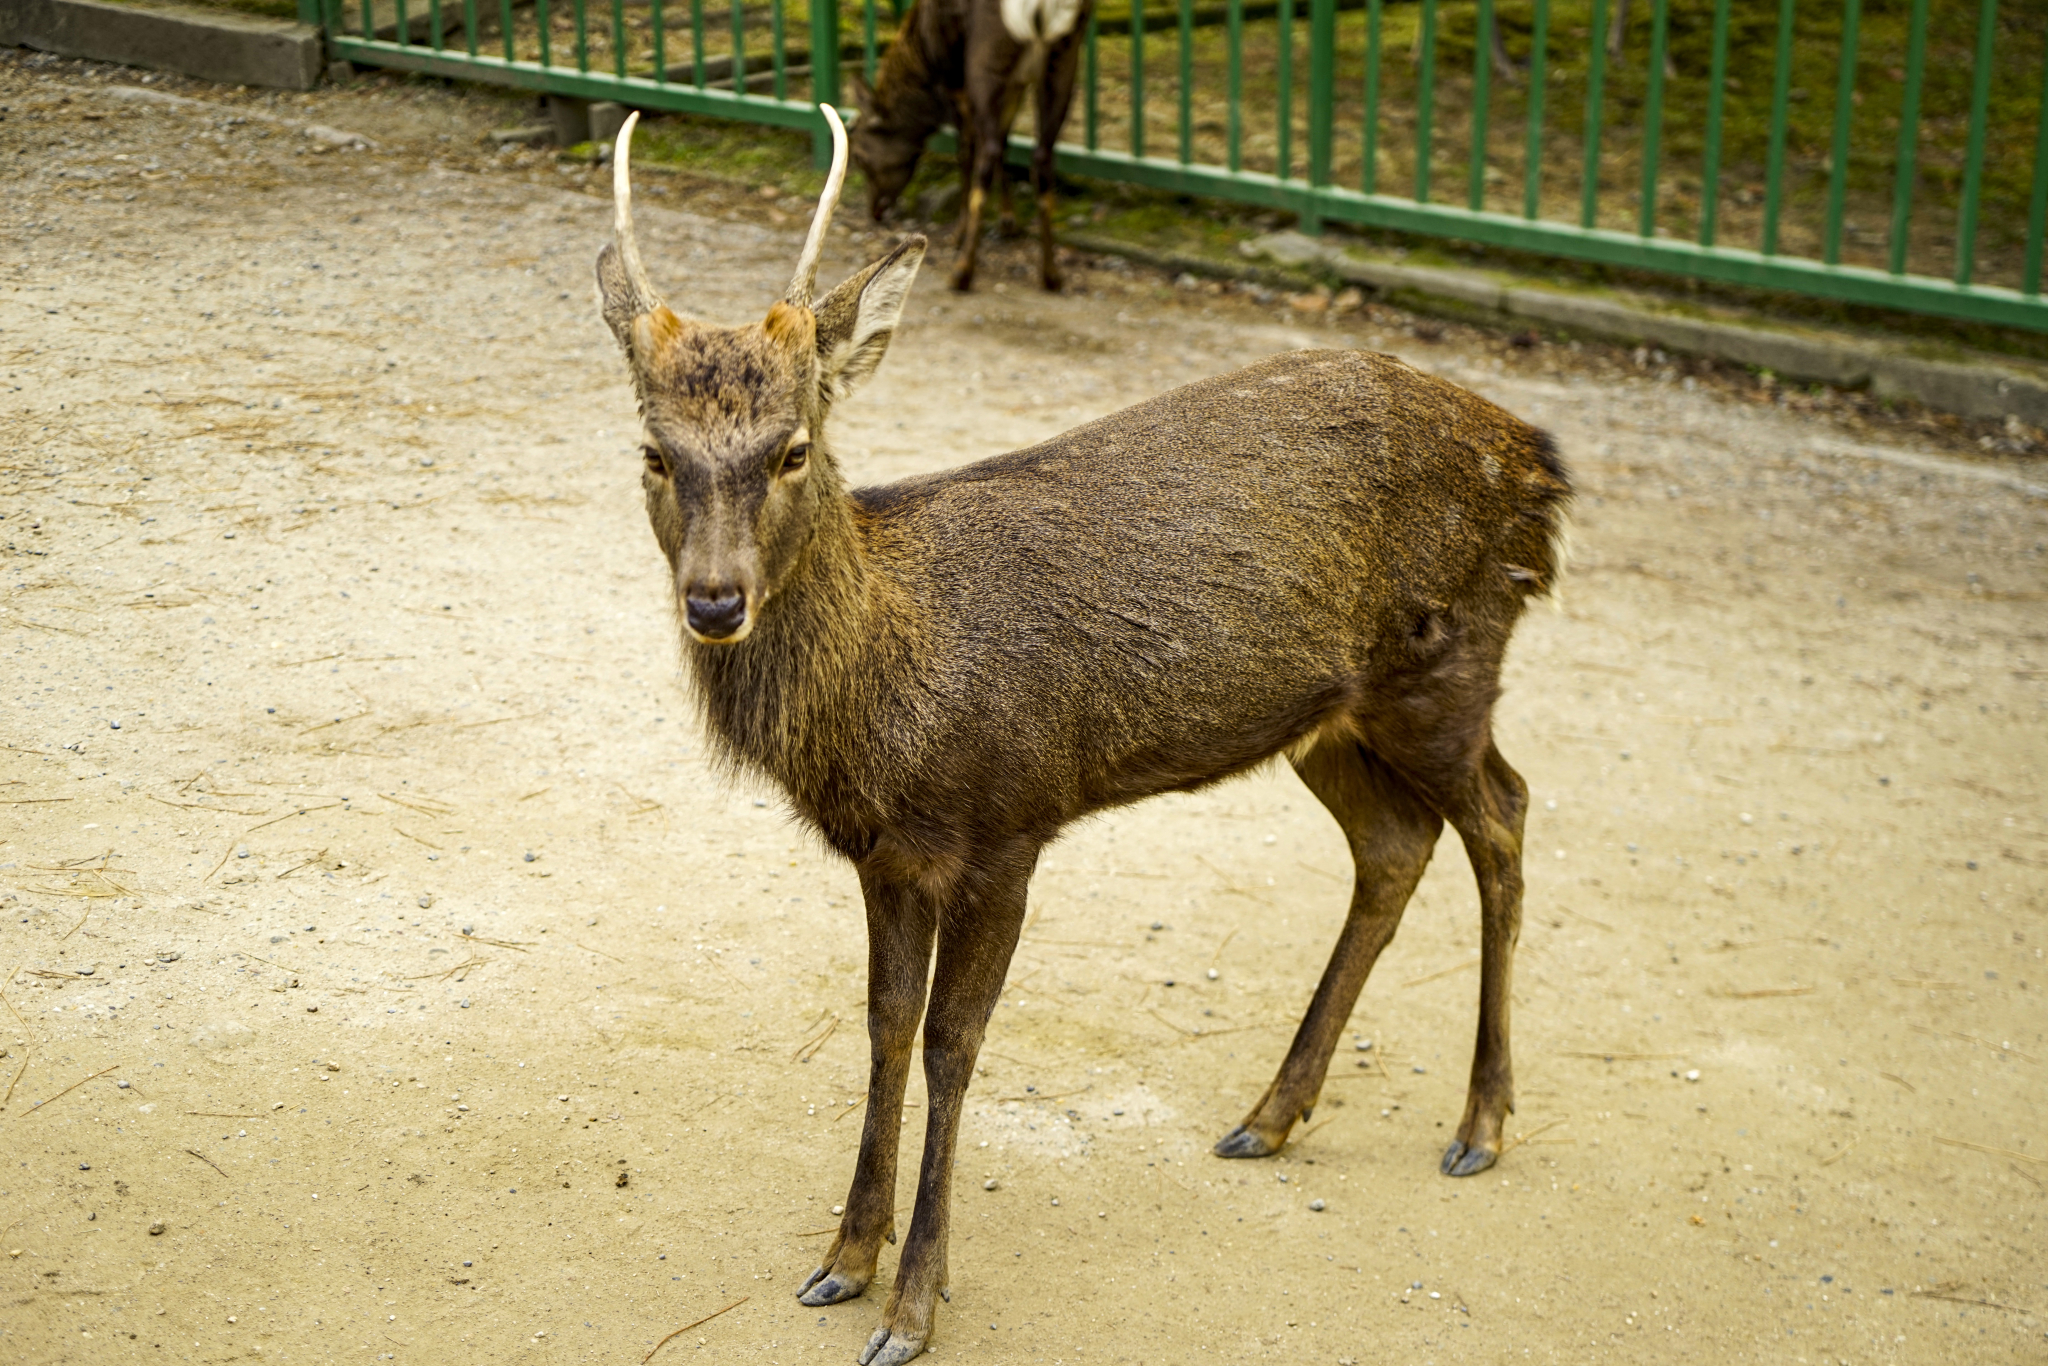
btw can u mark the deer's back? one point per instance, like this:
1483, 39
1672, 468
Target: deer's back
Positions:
1172, 592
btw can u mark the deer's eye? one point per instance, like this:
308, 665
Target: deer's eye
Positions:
795, 458
656, 464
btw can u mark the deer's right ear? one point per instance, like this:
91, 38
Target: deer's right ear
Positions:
856, 320
616, 297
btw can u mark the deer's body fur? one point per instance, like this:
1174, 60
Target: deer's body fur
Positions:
1321, 556
1151, 602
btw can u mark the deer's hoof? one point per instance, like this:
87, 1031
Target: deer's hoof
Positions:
1052, 281
887, 1349
1461, 1159
1242, 1142
824, 1287
962, 281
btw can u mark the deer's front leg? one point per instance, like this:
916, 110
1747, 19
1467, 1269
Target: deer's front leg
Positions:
899, 953
974, 956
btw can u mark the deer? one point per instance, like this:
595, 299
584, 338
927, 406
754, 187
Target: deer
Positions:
970, 63
1318, 558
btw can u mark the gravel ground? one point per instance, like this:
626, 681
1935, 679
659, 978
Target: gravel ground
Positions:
397, 980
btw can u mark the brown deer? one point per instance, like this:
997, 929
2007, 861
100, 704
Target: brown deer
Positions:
970, 63
1321, 556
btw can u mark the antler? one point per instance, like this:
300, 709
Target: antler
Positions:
645, 300
805, 280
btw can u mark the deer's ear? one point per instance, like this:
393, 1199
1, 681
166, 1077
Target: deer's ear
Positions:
856, 320
615, 297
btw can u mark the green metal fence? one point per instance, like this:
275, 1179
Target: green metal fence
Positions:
1882, 152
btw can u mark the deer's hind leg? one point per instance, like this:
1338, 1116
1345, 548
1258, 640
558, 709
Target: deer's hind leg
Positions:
1487, 811
1392, 832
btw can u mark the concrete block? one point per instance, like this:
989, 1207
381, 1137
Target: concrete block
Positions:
1969, 390
571, 118
606, 119
213, 45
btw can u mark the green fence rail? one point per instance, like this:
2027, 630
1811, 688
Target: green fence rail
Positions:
1882, 152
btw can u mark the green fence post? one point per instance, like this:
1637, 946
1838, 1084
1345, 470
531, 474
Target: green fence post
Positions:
582, 12
2037, 213
1369, 177
1284, 70
1137, 79
1781, 96
540, 17
1089, 130
505, 32
1233, 136
1973, 165
1909, 138
824, 73
1187, 81
1653, 122
739, 49
1322, 106
1539, 54
404, 34
619, 38
1425, 103
1710, 175
1482, 94
1838, 155
1596, 93
659, 18
778, 44
469, 25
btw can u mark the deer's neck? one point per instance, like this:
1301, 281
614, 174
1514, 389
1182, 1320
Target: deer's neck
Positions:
907, 93
795, 698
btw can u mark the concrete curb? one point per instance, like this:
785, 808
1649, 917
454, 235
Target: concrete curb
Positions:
1983, 389
230, 49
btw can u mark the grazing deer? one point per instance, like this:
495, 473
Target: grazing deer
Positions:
970, 62
1322, 556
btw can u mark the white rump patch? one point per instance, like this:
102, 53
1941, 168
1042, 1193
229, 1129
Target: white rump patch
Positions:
1037, 23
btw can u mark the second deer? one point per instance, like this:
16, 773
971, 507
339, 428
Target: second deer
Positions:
1321, 556
970, 63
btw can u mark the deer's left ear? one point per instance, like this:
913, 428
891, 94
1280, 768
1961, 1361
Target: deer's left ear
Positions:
856, 320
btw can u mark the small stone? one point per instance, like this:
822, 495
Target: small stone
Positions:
989, 1184
1419, 1070
1055, 1199
122, 1085
1281, 1175
1317, 1205
1363, 1045
85, 1166
426, 900
85, 972
334, 1067
1213, 974
156, 1229
1693, 1075
530, 857
838, 1209
622, 1181
312, 1010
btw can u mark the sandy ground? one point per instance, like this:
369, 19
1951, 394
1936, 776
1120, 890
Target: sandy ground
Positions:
396, 982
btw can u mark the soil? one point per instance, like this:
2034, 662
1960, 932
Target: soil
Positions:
398, 979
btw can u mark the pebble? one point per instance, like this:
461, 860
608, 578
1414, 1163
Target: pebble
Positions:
989, 1184
1055, 1199
1363, 1045
1213, 974
1317, 1205
839, 1209
426, 900
1693, 1075
312, 1010
122, 1085
156, 1229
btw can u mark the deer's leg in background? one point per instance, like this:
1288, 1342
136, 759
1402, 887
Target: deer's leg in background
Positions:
1488, 817
984, 114
1055, 97
962, 126
977, 936
1392, 833
900, 925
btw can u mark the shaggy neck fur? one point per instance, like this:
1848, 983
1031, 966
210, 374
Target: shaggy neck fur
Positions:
785, 701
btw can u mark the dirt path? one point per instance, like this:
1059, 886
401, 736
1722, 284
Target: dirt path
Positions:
384, 938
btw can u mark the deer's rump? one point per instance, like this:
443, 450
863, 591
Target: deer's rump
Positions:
1181, 589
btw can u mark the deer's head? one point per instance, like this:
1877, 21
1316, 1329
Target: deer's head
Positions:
738, 474
887, 155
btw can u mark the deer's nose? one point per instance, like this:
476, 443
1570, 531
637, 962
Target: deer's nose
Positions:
715, 611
